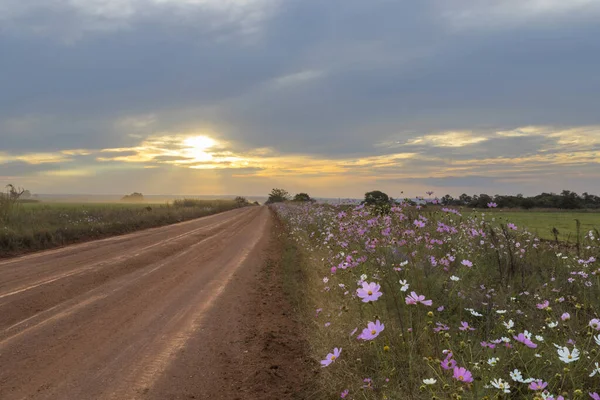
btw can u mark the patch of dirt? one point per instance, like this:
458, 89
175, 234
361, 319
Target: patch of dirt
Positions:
253, 348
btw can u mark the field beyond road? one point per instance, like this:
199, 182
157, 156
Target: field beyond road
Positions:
39, 226
542, 222
176, 312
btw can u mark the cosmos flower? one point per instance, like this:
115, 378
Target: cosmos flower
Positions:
502, 385
595, 324
430, 381
538, 385
369, 292
372, 330
596, 371
465, 326
567, 356
414, 298
525, 339
516, 376
404, 286
543, 305
331, 357
462, 374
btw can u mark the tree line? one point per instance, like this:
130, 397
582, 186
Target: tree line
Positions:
565, 200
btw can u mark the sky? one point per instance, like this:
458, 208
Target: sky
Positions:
330, 97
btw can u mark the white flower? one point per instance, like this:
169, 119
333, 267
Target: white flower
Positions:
404, 263
404, 284
493, 361
454, 278
509, 324
552, 324
527, 334
529, 380
363, 277
567, 356
500, 384
500, 311
516, 376
429, 381
473, 312
597, 339
539, 338
325, 280
596, 370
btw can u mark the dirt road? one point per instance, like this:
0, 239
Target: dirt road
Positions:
150, 315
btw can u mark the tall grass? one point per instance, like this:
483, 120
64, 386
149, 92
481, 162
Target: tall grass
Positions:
46, 225
471, 308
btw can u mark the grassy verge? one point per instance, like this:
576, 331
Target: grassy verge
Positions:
39, 226
469, 308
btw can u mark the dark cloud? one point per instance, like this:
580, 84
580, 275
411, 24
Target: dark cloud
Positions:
328, 78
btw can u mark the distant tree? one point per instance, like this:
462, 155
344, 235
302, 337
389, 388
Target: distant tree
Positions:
528, 203
569, 200
447, 200
302, 197
465, 198
133, 197
278, 196
376, 198
241, 201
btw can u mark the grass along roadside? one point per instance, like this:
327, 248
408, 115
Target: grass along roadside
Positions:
40, 226
471, 308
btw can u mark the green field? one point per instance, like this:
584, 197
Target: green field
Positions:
38, 226
542, 222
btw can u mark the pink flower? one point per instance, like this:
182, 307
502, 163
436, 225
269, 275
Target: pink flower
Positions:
369, 292
414, 298
595, 324
595, 396
372, 330
543, 305
523, 338
467, 263
462, 374
448, 364
538, 385
344, 394
565, 316
331, 357
492, 205
419, 223
511, 226
465, 327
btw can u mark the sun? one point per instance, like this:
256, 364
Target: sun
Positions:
196, 147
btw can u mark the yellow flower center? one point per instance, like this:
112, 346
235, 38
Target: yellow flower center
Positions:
373, 332
332, 358
369, 293
569, 356
461, 378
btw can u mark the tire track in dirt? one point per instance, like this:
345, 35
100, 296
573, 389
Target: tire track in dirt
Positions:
111, 319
